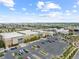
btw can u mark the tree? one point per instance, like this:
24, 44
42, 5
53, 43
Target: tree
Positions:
31, 38
2, 44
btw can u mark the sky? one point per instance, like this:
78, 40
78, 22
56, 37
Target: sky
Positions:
33, 11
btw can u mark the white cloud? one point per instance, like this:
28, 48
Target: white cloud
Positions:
46, 6
53, 6
74, 11
8, 3
12, 9
51, 17
54, 14
77, 2
24, 9
67, 11
68, 14
44, 17
40, 4
74, 6
44, 10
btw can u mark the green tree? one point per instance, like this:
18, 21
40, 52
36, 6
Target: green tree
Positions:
2, 44
31, 38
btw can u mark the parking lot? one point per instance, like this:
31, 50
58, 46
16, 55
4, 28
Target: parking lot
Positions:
43, 49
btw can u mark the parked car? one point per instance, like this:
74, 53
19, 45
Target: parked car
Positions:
48, 41
27, 57
13, 48
38, 46
26, 51
42, 42
21, 51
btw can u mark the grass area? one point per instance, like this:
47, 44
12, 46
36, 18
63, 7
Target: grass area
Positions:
20, 57
72, 55
69, 53
17, 56
1, 54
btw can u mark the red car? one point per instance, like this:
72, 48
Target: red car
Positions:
27, 57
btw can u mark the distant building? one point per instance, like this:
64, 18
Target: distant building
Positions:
28, 32
45, 32
62, 30
11, 38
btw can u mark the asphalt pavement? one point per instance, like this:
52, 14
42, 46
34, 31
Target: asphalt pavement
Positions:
48, 48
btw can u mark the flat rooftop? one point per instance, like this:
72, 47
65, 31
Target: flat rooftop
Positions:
10, 34
28, 32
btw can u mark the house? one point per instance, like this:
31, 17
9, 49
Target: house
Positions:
11, 38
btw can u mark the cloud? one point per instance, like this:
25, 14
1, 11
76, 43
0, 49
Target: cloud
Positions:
67, 12
40, 4
53, 6
77, 2
24, 9
55, 14
74, 11
51, 14
12, 9
74, 6
49, 17
46, 6
8, 3
71, 12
